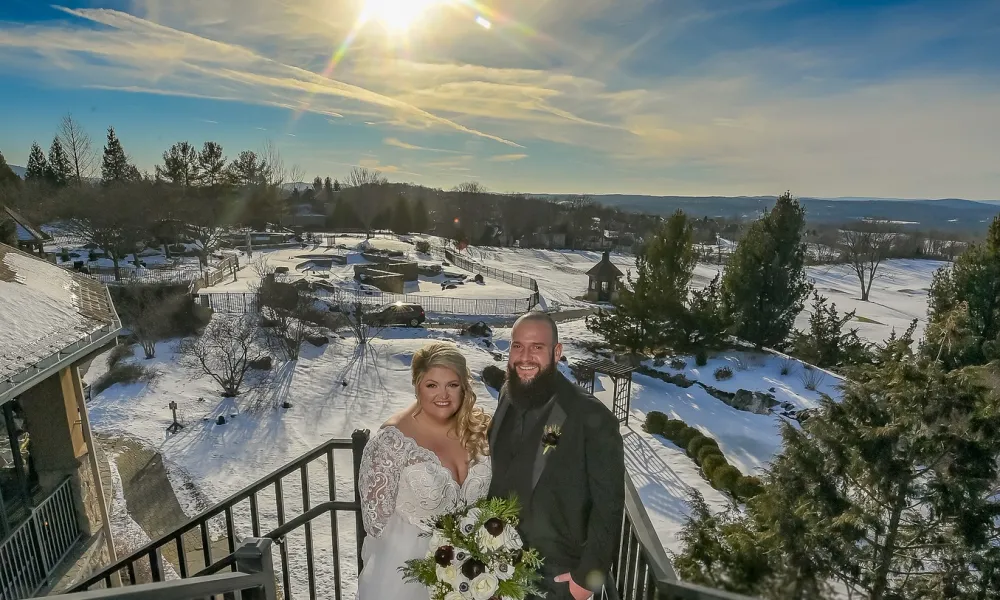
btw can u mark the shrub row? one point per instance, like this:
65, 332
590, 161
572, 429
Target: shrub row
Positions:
706, 454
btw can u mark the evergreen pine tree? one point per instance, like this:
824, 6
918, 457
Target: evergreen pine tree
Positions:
7, 175
181, 165
317, 186
343, 215
665, 274
419, 216
704, 323
765, 282
36, 169
212, 165
652, 311
889, 493
115, 167
336, 185
402, 220
972, 282
60, 171
826, 344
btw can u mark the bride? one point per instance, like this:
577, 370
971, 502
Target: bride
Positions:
423, 462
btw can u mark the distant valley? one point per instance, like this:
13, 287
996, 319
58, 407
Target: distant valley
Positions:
947, 214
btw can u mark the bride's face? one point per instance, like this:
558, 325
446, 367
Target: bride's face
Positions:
439, 393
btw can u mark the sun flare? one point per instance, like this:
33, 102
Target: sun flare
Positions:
397, 15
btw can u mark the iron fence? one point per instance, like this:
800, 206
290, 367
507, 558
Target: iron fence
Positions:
248, 302
188, 550
33, 551
238, 303
522, 281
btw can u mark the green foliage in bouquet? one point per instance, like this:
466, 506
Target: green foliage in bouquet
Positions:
476, 552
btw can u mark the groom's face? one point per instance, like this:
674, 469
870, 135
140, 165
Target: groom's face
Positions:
533, 350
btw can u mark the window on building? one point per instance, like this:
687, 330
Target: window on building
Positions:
604, 286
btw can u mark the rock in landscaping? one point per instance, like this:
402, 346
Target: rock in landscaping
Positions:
261, 364
659, 362
221, 420
478, 278
480, 329
494, 376
498, 356
286, 404
756, 402
317, 340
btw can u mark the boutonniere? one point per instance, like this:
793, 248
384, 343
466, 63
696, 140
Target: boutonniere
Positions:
550, 438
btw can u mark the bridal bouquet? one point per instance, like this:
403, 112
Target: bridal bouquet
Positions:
475, 553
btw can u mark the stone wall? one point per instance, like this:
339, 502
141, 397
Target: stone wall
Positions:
383, 280
410, 270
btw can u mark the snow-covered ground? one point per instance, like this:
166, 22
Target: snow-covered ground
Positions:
898, 295
314, 263
223, 459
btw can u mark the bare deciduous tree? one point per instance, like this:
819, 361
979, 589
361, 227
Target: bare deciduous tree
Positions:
111, 218
78, 147
362, 176
367, 190
226, 353
471, 187
147, 315
286, 312
864, 246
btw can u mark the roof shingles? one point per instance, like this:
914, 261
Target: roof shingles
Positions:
44, 309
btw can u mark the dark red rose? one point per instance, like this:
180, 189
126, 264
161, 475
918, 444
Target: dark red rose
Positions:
444, 555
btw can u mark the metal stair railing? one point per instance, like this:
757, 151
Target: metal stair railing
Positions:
642, 570
252, 579
150, 557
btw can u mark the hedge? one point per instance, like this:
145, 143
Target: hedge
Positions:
706, 454
699, 442
725, 478
707, 451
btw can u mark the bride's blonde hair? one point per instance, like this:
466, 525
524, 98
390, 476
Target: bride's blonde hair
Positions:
471, 422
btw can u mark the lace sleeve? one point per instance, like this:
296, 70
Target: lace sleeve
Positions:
378, 479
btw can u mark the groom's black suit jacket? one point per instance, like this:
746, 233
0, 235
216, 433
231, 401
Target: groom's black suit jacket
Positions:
573, 516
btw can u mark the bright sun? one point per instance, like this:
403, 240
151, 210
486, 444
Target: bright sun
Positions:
397, 15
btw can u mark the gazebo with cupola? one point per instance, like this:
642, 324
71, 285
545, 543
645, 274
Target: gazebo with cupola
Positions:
604, 280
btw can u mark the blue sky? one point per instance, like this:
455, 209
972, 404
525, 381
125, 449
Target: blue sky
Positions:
675, 97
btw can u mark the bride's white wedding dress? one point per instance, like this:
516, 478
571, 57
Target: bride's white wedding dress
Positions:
402, 486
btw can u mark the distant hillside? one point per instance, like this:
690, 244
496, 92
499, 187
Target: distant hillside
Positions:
951, 214
19, 171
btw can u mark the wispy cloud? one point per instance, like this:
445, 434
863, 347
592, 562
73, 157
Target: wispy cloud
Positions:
398, 143
839, 106
209, 121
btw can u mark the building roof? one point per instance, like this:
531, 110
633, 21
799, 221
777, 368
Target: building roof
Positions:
605, 270
26, 232
46, 314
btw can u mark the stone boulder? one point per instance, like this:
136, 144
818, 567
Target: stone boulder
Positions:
494, 376
756, 402
317, 340
261, 364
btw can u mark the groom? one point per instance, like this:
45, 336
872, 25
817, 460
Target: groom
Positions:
559, 450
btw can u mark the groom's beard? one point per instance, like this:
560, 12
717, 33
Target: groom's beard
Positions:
536, 392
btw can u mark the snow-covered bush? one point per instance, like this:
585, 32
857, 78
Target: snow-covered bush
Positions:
723, 373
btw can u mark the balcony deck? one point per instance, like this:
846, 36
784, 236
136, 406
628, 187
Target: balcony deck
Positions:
313, 549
